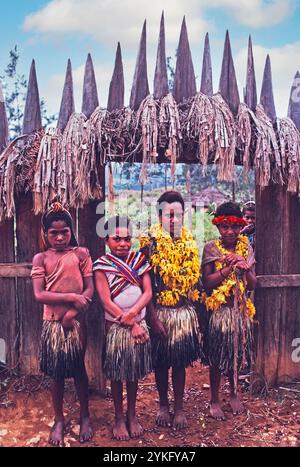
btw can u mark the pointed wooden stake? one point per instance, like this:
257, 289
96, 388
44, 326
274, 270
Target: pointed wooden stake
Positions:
184, 82
250, 97
228, 83
3, 122
294, 103
90, 94
266, 95
140, 87
116, 87
32, 114
206, 77
161, 87
67, 106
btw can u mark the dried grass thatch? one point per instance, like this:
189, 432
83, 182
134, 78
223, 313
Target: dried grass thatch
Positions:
67, 165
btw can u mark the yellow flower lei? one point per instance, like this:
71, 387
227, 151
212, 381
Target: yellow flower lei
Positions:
220, 294
177, 263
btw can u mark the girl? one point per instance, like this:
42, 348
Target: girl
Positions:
228, 271
63, 282
124, 288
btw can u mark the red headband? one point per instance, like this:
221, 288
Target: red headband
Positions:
233, 220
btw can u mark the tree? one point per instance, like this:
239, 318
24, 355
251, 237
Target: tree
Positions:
15, 87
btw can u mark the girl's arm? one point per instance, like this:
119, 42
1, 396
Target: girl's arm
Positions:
104, 295
251, 279
50, 298
212, 279
88, 284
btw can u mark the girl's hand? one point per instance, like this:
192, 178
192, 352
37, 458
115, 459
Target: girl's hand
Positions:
127, 319
233, 258
81, 302
139, 334
242, 266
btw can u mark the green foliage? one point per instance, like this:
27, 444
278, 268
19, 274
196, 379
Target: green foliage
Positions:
15, 89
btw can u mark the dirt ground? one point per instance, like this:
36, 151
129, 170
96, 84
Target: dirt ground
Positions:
272, 420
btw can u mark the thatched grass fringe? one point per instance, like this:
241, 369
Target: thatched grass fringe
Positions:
67, 165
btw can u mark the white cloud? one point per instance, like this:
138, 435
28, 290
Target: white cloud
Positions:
110, 20
284, 63
256, 13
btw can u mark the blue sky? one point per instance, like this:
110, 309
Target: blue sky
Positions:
53, 31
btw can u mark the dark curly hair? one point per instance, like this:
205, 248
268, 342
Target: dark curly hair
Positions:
229, 209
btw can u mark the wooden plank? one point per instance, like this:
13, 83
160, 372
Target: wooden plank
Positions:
30, 312
278, 309
87, 235
15, 270
8, 305
280, 280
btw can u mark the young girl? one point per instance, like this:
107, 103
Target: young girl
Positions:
124, 288
176, 342
228, 271
63, 282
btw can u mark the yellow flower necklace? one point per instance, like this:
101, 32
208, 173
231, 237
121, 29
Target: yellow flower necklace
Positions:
220, 294
176, 262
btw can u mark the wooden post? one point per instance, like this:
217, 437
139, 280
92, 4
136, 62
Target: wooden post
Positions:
87, 236
28, 244
116, 87
228, 83
67, 106
277, 243
160, 86
90, 94
250, 97
206, 76
3, 122
184, 81
140, 87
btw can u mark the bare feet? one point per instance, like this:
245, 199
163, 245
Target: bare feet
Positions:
134, 428
236, 405
120, 431
180, 421
163, 417
56, 437
216, 411
86, 431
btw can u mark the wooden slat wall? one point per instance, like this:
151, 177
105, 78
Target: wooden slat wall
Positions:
9, 330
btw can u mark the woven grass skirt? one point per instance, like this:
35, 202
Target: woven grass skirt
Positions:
61, 353
230, 340
183, 345
124, 359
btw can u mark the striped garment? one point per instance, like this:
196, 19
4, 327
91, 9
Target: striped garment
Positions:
125, 272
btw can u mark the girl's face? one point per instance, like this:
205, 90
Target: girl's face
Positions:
229, 233
119, 242
171, 218
58, 235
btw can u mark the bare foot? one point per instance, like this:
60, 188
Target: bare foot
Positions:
86, 431
236, 405
163, 417
134, 428
56, 437
180, 421
120, 431
216, 411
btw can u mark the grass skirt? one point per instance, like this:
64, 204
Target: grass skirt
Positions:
61, 353
183, 345
124, 360
230, 340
